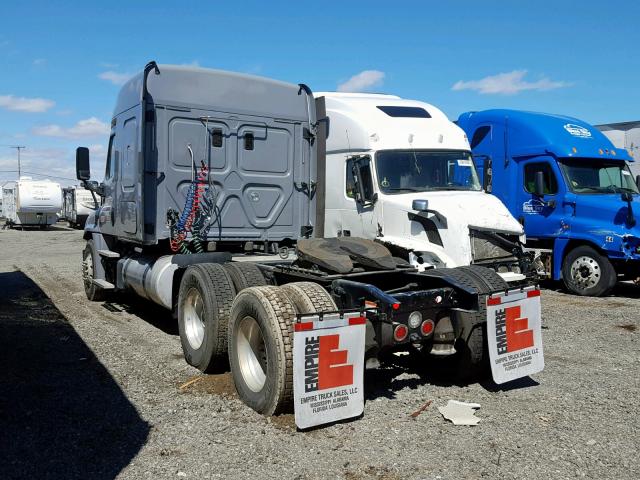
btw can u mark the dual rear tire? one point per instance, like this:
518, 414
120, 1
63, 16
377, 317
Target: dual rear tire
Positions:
261, 341
229, 317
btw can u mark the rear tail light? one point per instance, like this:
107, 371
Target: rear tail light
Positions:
427, 328
400, 333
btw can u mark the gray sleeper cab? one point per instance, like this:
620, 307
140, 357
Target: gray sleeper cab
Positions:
252, 134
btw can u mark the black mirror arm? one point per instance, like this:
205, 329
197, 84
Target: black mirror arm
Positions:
631, 219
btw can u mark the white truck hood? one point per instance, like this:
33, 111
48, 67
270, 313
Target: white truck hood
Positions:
460, 211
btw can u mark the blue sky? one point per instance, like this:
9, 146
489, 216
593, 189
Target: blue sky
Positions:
62, 62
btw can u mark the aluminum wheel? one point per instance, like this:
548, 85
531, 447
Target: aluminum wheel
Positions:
585, 272
193, 318
252, 355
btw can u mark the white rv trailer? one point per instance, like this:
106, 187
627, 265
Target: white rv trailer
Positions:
418, 193
29, 202
77, 205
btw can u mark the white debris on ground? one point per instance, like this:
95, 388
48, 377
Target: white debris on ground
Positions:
460, 413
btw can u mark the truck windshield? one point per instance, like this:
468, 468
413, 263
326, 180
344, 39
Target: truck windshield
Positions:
402, 171
597, 176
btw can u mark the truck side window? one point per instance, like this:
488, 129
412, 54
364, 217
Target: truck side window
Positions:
350, 184
550, 182
108, 170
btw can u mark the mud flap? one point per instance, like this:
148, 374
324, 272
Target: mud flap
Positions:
514, 334
328, 368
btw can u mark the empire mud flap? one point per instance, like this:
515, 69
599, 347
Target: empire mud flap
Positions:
514, 334
328, 367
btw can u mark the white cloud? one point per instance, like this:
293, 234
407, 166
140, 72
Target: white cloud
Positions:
24, 104
39, 62
509, 83
115, 77
363, 81
90, 127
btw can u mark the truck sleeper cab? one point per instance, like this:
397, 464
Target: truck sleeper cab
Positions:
570, 188
401, 173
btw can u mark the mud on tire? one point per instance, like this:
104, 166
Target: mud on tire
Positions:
261, 348
204, 302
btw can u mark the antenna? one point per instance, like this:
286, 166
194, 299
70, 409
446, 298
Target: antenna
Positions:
18, 148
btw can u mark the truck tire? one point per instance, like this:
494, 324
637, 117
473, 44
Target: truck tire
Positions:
204, 302
245, 275
309, 297
472, 362
261, 348
89, 259
587, 272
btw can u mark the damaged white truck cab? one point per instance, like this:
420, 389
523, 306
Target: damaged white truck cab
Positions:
400, 172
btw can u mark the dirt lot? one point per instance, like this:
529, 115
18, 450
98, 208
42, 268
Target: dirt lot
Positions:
90, 390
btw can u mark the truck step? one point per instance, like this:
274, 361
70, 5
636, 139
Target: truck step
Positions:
108, 253
103, 284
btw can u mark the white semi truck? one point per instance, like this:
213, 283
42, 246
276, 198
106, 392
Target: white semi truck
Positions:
398, 171
31, 203
77, 204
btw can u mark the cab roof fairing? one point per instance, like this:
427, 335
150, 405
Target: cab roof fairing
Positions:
357, 124
533, 133
208, 89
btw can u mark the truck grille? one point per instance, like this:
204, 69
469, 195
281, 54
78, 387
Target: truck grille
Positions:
487, 246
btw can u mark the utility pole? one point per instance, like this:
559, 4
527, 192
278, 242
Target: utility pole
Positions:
18, 148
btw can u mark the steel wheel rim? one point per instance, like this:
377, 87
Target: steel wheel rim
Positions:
585, 272
193, 318
251, 351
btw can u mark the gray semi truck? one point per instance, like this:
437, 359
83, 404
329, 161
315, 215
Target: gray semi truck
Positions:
211, 205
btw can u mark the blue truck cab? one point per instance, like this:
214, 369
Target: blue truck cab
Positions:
571, 189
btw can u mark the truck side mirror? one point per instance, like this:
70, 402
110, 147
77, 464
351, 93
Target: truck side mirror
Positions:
420, 205
363, 182
83, 171
539, 185
638, 181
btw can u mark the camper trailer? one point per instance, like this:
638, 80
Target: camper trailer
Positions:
31, 203
77, 204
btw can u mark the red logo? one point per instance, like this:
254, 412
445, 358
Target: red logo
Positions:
333, 370
325, 365
518, 334
512, 331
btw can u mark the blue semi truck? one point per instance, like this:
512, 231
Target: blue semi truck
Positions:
571, 189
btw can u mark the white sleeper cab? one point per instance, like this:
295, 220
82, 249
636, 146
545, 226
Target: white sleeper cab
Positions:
398, 171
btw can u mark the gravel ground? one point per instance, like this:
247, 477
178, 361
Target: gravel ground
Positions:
90, 390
